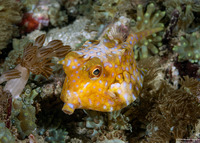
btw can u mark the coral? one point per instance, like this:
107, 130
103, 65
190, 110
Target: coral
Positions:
36, 59
10, 15
72, 35
75, 140
166, 112
148, 20
185, 8
56, 136
165, 49
188, 47
3, 104
103, 127
24, 113
13, 57
106, 11
50, 11
42, 13
5, 134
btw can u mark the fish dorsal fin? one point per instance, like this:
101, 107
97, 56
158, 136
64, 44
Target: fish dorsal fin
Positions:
115, 35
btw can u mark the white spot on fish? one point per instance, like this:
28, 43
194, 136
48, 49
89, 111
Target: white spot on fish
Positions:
131, 38
132, 78
114, 52
79, 100
73, 80
119, 91
113, 74
116, 66
111, 108
106, 83
98, 103
110, 102
68, 63
80, 53
76, 93
134, 73
99, 89
91, 52
130, 86
104, 107
100, 81
133, 96
90, 101
68, 92
86, 56
73, 67
77, 85
70, 105
76, 71
98, 53
126, 98
120, 59
86, 84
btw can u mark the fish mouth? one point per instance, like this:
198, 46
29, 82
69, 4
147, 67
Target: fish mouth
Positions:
68, 108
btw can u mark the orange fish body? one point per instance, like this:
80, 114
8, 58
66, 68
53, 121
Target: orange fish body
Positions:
102, 75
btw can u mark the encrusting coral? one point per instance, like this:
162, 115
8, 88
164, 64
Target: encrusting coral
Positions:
10, 15
148, 20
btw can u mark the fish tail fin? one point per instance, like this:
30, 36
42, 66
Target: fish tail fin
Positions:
134, 38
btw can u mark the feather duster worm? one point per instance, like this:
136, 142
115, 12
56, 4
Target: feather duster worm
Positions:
36, 59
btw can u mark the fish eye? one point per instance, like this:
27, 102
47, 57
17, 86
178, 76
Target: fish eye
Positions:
96, 72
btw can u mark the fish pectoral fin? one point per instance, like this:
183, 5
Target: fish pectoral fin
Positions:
111, 94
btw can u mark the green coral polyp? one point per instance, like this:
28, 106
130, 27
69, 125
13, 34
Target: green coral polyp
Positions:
5, 134
148, 20
188, 47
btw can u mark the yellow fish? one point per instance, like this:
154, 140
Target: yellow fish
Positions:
103, 75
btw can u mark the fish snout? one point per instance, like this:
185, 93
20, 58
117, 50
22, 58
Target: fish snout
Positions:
68, 108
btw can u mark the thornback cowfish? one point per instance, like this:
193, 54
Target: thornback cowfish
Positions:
103, 74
